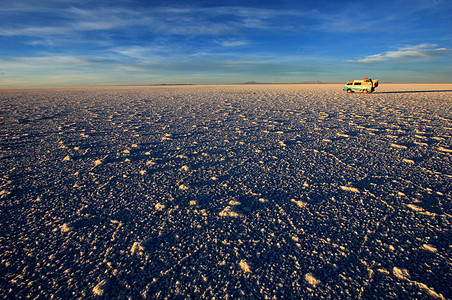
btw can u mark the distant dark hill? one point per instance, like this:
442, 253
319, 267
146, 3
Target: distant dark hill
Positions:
304, 82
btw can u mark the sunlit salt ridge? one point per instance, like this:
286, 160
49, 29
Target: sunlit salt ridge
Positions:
285, 191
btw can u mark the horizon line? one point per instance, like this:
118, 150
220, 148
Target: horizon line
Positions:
210, 84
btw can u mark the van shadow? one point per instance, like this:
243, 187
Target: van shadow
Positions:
411, 92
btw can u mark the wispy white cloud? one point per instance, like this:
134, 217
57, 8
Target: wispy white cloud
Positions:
233, 43
157, 20
406, 53
70, 21
45, 66
143, 53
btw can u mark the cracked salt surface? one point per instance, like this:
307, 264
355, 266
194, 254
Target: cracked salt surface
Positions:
298, 191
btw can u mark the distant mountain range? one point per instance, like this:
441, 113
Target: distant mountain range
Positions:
304, 82
254, 82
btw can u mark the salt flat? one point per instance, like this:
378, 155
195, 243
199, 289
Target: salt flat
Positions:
285, 191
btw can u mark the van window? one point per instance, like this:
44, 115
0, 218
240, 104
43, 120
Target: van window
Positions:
357, 83
350, 83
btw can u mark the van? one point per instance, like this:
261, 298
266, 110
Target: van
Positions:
364, 86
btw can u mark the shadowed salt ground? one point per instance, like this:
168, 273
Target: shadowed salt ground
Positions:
297, 191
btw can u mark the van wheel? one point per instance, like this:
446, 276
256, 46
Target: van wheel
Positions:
365, 91
349, 91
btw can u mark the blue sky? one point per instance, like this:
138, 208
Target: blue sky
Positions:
78, 42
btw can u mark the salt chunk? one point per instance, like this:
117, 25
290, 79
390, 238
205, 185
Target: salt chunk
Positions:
430, 248
227, 212
136, 247
415, 207
349, 189
400, 273
4, 193
398, 146
99, 289
445, 149
65, 228
311, 280
183, 187
244, 266
300, 204
159, 206
150, 163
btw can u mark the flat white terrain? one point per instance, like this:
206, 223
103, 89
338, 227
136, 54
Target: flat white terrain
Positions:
263, 191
